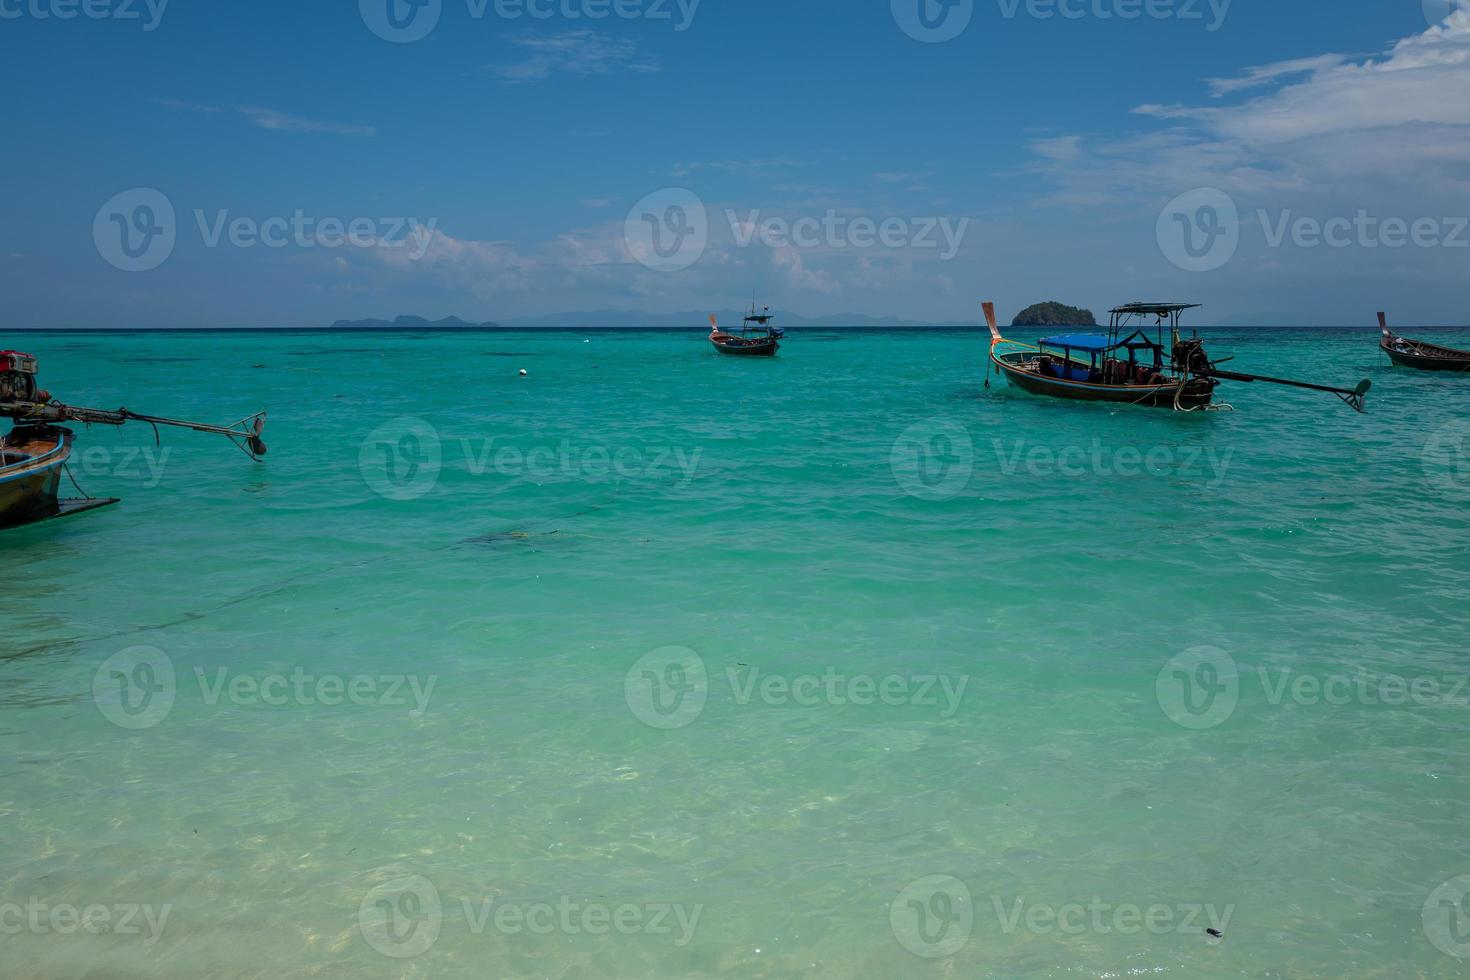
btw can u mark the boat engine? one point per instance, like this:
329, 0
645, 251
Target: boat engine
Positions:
1190, 356
17, 377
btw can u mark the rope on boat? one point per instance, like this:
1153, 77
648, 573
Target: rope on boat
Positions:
66, 468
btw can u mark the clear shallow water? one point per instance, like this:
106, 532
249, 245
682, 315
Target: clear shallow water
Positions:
858, 509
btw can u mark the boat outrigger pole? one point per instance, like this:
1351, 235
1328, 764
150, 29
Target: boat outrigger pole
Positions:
1353, 397
245, 433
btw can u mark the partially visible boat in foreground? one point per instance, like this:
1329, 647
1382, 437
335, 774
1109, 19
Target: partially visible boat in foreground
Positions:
34, 454
1130, 368
757, 338
32, 459
1418, 354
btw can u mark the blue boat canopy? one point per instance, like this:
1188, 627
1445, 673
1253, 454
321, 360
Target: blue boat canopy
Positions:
1088, 342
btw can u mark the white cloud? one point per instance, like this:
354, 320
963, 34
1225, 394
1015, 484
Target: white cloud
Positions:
272, 119
1265, 74
1057, 148
754, 165
576, 53
798, 275
1325, 124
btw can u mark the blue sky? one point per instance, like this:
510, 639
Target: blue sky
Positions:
493, 165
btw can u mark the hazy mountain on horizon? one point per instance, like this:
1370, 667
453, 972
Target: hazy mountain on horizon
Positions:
638, 319
413, 323
696, 320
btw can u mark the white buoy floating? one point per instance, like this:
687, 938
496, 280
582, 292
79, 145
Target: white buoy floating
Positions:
523, 372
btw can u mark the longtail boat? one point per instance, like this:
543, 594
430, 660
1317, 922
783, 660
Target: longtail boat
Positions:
757, 338
1418, 354
32, 459
1126, 366
34, 454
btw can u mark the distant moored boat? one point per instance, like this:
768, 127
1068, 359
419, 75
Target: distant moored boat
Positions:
757, 338
1418, 354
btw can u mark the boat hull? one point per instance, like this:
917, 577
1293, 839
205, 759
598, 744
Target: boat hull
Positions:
1448, 361
760, 349
30, 473
1192, 394
32, 458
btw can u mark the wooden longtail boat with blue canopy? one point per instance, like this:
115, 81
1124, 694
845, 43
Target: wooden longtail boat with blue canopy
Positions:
34, 454
1128, 367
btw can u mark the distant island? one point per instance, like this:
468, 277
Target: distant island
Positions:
1054, 315
414, 323
638, 319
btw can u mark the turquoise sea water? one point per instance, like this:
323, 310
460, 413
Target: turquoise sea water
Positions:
664, 664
